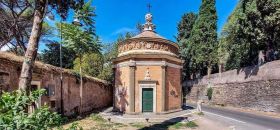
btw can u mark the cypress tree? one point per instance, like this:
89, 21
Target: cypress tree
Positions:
184, 31
185, 26
204, 36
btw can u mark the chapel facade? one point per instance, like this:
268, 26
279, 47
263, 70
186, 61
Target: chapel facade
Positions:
147, 73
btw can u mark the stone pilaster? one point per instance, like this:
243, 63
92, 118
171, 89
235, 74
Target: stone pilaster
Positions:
132, 88
163, 84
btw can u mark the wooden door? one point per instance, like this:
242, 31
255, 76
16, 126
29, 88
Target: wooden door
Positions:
147, 99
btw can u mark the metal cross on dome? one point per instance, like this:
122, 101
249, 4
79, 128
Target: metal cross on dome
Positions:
149, 7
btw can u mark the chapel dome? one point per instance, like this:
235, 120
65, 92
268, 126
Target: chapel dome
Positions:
148, 42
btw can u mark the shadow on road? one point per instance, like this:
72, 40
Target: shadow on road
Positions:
186, 107
164, 125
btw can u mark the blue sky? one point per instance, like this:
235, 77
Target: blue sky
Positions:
115, 17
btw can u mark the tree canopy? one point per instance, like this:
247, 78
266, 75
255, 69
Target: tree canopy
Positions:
199, 47
253, 26
92, 64
184, 28
51, 55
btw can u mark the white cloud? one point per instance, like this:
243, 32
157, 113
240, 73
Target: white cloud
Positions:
124, 30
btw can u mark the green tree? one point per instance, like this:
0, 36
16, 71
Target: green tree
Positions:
253, 26
232, 41
92, 64
110, 52
51, 55
81, 42
13, 114
86, 15
185, 26
184, 31
16, 23
40, 9
203, 37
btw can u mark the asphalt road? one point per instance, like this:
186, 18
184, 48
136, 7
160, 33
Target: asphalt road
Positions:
241, 120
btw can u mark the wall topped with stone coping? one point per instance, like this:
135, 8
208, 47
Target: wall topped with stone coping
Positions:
255, 87
97, 93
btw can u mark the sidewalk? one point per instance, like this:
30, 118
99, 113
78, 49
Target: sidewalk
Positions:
147, 117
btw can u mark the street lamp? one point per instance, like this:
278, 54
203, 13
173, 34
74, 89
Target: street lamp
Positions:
60, 64
77, 22
51, 17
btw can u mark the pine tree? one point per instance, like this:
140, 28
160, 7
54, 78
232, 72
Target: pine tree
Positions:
203, 37
41, 7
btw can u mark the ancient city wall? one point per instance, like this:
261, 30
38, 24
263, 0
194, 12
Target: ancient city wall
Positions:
96, 93
255, 88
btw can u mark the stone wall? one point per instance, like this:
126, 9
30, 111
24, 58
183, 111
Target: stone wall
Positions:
96, 93
256, 87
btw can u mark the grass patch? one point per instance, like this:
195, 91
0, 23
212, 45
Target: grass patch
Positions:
75, 126
191, 124
137, 125
200, 113
119, 125
108, 126
97, 118
179, 125
103, 124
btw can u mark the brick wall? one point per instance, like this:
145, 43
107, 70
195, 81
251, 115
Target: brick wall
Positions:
173, 88
256, 87
96, 93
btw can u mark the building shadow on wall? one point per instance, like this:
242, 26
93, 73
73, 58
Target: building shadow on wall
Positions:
120, 94
187, 86
165, 124
249, 71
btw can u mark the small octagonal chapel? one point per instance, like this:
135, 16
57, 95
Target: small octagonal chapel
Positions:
147, 73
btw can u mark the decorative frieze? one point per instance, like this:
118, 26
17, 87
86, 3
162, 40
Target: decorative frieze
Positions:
145, 45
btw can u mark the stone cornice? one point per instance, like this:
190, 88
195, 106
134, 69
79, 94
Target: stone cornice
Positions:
150, 56
146, 63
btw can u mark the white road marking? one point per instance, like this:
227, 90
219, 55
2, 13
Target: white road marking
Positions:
225, 117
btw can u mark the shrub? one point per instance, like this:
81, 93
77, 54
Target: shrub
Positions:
14, 115
209, 93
